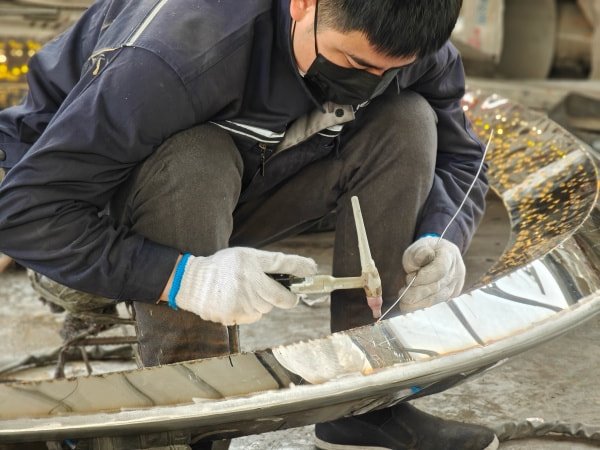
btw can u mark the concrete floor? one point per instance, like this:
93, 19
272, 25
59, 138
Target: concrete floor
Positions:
556, 381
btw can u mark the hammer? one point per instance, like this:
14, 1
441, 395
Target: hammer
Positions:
324, 284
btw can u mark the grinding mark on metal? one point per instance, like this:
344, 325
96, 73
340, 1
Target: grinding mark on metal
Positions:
378, 353
397, 350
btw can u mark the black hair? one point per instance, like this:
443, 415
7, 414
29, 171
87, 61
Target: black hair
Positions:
396, 28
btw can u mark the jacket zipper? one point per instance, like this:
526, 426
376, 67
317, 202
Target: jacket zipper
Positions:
265, 151
263, 157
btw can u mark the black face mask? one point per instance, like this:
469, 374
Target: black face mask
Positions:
343, 85
328, 81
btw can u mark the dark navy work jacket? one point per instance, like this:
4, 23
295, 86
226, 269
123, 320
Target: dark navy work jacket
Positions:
129, 74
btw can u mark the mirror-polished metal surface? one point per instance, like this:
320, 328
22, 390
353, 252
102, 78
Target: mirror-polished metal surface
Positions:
545, 283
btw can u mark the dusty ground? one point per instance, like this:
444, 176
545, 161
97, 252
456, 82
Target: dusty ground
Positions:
557, 381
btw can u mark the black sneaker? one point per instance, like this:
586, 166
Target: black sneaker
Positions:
402, 427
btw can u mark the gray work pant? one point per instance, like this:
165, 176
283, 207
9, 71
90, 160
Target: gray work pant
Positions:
187, 195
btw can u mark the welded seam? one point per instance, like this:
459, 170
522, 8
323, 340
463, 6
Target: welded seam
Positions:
203, 384
139, 391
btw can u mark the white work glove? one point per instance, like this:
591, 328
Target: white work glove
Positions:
231, 287
440, 272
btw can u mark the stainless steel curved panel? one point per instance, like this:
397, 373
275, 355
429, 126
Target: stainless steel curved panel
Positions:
546, 283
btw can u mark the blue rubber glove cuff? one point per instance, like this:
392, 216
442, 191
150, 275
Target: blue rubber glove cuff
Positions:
429, 235
177, 280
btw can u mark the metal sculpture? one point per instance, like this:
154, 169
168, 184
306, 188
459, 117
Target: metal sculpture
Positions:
545, 283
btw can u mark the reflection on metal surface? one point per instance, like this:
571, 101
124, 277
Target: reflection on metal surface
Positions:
546, 283
546, 178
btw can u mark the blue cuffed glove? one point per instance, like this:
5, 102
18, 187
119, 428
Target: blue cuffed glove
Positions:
232, 287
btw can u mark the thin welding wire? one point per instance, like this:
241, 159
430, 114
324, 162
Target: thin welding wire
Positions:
447, 226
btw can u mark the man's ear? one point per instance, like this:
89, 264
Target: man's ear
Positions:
300, 8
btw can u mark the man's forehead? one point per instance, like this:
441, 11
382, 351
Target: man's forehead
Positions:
356, 45
388, 63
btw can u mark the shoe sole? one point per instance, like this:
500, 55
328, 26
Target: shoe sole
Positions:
329, 446
322, 445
